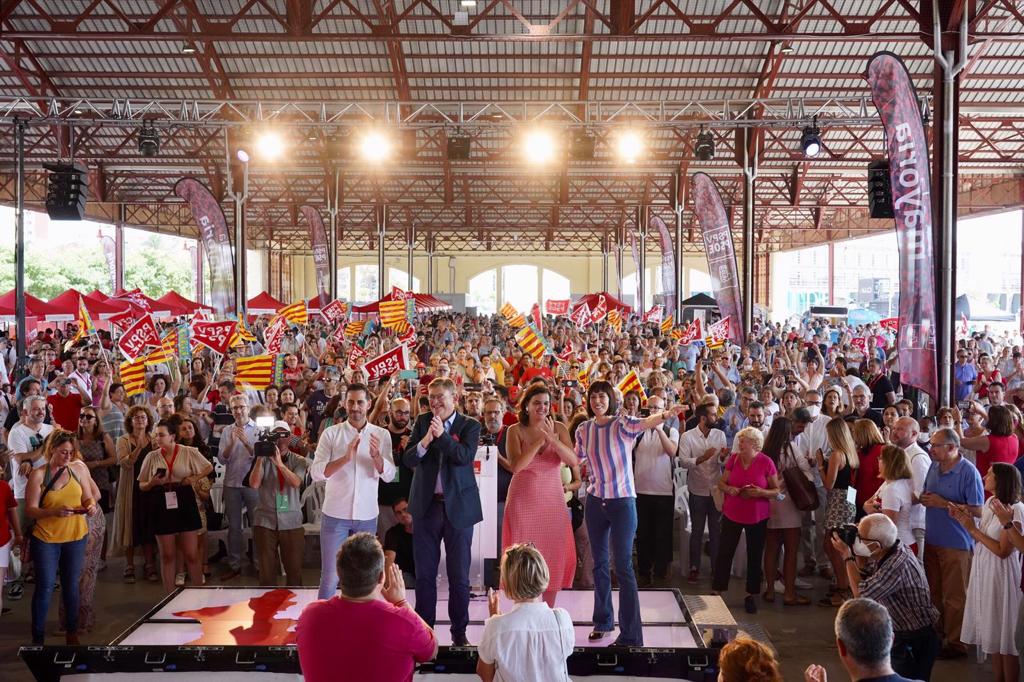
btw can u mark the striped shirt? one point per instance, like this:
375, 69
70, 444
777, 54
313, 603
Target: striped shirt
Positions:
899, 584
608, 451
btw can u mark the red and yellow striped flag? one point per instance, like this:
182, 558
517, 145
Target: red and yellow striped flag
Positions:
530, 342
241, 334
513, 316
677, 334
631, 382
584, 378
614, 320
355, 327
133, 377
393, 315
666, 325
255, 372
295, 313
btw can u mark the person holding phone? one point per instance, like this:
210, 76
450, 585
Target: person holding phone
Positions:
58, 496
170, 471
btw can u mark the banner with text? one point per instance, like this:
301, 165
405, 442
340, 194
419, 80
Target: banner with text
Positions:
321, 253
213, 234
714, 224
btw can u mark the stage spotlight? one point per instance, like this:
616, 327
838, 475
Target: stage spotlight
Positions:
539, 146
375, 146
705, 147
630, 145
242, 155
810, 140
270, 145
149, 140
188, 48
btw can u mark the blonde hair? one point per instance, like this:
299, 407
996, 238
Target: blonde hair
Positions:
841, 440
524, 573
895, 463
865, 434
752, 434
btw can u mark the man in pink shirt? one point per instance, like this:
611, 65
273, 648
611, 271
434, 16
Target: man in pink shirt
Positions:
370, 632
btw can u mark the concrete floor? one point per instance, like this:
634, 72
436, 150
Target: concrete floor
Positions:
801, 635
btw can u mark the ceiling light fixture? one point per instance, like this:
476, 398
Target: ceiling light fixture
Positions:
810, 139
270, 145
539, 146
149, 140
630, 146
705, 147
188, 48
375, 146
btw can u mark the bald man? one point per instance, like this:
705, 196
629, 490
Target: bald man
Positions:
399, 418
904, 435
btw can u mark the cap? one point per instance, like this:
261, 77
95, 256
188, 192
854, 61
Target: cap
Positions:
281, 425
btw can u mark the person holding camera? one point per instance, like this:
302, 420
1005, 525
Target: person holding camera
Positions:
276, 476
170, 470
882, 568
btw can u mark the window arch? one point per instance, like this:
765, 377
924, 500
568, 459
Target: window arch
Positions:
400, 278
521, 285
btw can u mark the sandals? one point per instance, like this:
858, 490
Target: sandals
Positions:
799, 600
836, 599
768, 596
597, 635
151, 574
129, 575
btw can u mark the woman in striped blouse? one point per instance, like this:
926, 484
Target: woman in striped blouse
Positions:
605, 442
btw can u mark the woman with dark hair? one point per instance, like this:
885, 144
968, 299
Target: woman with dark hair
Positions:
1000, 445
188, 435
156, 388
605, 442
131, 515
785, 520
535, 509
171, 469
993, 591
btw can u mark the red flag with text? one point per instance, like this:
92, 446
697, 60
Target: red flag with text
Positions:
556, 307
335, 311
581, 316
691, 333
535, 314
214, 335
654, 314
890, 323
136, 338
386, 364
274, 333
600, 310
718, 333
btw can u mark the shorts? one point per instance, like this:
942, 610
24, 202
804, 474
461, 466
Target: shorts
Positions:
5, 553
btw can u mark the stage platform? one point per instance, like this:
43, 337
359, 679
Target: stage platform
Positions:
252, 631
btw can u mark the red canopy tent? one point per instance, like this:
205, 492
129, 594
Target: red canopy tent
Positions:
263, 304
157, 308
609, 300
313, 304
67, 304
424, 303
34, 307
179, 302
98, 295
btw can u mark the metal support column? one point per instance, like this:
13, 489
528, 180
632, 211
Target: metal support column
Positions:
604, 263
119, 249
831, 273
749, 175
949, 63
620, 247
332, 236
412, 254
428, 244
197, 258
239, 216
382, 219
19, 248
677, 211
641, 228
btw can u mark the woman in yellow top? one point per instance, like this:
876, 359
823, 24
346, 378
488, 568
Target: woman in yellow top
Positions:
57, 498
170, 471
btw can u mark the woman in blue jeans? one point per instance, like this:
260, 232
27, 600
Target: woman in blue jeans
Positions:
58, 497
605, 442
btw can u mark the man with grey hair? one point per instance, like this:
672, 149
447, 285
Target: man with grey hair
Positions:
904, 435
882, 568
861, 397
864, 637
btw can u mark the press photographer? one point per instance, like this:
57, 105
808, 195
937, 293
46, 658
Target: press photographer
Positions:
276, 476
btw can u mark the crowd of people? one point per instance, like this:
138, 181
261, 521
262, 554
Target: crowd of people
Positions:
801, 442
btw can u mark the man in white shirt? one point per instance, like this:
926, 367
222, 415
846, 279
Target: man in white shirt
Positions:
652, 475
81, 379
351, 457
702, 452
26, 444
806, 446
904, 435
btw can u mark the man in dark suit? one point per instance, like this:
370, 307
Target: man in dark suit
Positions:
444, 503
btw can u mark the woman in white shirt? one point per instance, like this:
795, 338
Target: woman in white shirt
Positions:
532, 641
895, 497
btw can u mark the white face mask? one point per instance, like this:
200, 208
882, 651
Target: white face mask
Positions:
924, 437
860, 549
815, 410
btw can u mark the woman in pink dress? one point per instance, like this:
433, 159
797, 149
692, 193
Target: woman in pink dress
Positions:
535, 511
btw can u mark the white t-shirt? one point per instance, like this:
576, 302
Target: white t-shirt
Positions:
530, 642
652, 471
898, 496
19, 440
920, 463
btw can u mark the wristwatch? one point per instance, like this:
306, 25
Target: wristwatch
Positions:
1008, 525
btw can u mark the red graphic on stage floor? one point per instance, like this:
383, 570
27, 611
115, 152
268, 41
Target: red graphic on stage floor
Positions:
247, 623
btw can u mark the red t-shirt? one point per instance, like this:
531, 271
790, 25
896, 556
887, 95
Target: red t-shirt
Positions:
7, 501
342, 640
533, 372
868, 482
66, 409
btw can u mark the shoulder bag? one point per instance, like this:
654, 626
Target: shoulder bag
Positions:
799, 487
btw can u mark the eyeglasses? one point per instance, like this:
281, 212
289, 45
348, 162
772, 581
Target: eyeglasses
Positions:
87, 417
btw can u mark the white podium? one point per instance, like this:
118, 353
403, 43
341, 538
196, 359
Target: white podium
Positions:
485, 533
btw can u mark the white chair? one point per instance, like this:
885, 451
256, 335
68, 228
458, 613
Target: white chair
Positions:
311, 501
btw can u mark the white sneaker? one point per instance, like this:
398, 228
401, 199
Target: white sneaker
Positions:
179, 579
802, 584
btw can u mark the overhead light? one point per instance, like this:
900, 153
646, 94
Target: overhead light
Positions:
188, 48
705, 147
458, 147
242, 155
810, 140
629, 145
468, 3
375, 146
149, 140
787, 48
539, 146
270, 145
582, 145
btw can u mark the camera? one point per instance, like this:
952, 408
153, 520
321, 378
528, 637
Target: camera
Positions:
266, 443
847, 533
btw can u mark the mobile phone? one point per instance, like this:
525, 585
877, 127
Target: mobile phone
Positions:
645, 412
570, 383
161, 472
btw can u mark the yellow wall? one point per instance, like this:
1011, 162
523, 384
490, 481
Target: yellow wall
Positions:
584, 272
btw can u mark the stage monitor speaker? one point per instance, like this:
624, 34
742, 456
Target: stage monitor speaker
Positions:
880, 190
581, 147
67, 190
458, 148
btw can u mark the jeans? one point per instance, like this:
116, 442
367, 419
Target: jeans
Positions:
333, 532
614, 520
702, 510
655, 514
234, 500
756, 533
428, 532
913, 653
48, 558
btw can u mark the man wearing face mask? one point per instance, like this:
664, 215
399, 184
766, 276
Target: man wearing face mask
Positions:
897, 582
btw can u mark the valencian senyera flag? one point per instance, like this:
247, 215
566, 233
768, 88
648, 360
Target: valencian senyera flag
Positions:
393, 315
213, 235
295, 313
133, 377
714, 224
531, 342
631, 382
910, 178
256, 371
513, 316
